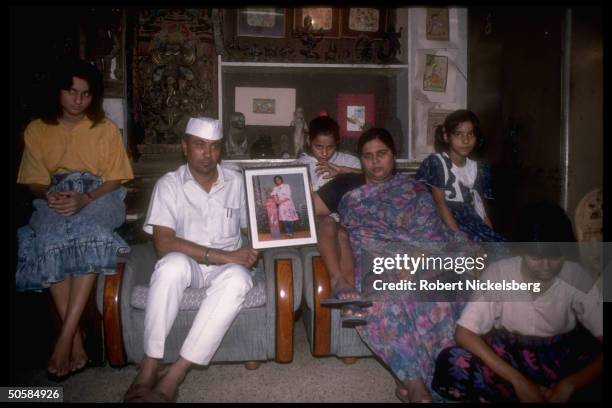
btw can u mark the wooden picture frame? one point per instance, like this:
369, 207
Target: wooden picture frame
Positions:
354, 112
273, 222
325, 20
262, 22
368, 21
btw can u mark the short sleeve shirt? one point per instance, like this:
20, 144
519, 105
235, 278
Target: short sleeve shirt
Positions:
211, 219
339, 158
51, 149
551, 313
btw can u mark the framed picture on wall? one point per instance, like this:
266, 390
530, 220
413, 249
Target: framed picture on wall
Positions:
437, 26
355, 111
265, 106
325, 20
280, 207
435, 73
262, 22
435, 117
369, 21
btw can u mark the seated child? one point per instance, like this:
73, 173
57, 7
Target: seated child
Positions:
529, 350
324, 163
458, 183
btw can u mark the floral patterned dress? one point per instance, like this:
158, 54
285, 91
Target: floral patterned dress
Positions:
383, 219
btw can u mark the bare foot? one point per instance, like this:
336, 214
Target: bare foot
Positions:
413, 391
59, 363
144, 382
78, 356
167, 387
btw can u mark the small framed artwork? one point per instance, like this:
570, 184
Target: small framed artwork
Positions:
435, 73
437, 26
368, 21
265, 106
355, 111
324, 20
262, 22
435, 117
280, 207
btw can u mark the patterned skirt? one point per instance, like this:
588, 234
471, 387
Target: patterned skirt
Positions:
52, 246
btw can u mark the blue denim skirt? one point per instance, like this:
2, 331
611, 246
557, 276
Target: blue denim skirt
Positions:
53, 247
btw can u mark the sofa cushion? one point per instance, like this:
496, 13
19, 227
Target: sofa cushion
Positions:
194, 297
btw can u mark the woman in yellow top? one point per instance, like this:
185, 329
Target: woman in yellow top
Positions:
74, 163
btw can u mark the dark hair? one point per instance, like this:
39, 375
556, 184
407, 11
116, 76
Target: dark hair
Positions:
323, 125
543, 222
281, 179
450, 124
376, 133
62, 80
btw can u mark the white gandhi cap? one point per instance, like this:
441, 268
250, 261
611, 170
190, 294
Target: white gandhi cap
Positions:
206, 128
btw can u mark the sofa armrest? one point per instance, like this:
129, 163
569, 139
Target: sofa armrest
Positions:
133, 269
317, 287
283, 269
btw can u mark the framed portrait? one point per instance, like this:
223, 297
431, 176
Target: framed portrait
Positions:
437, 27
325, 20
354, 112
369, 21
280, 207
435, 117
265, 106
435, 73
262, 22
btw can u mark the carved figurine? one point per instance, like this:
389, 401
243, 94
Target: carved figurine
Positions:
309, 38
391, 46
299, 128
237, 139
332, 53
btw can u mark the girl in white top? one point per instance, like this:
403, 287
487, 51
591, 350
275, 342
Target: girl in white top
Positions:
526, 346
324, 163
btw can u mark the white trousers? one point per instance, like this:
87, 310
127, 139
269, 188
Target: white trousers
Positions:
227, 286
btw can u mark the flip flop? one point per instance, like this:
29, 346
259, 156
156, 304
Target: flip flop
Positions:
336, 300
353, 315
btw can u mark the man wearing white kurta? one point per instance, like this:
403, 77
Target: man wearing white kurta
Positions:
195, 216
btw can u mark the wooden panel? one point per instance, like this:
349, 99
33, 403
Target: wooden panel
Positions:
322, 315
113, 337
284, 310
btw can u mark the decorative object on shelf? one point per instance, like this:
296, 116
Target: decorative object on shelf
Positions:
363, 20
364, 49
270, 53
435, 117
237, 137
284, 147
391, 46
325, 20
300, 127
286, 53
331, 55
354, 111
436, 71
103, 40
252, 52
280, 207
262, 148
309, 38
265, 106
261, 22
233, 49
174, 72
437, 26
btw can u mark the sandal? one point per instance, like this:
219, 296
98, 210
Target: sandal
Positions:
353, 315
336, 298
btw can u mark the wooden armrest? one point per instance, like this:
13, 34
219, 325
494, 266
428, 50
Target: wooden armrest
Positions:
111, 306
284, 310
322, 315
